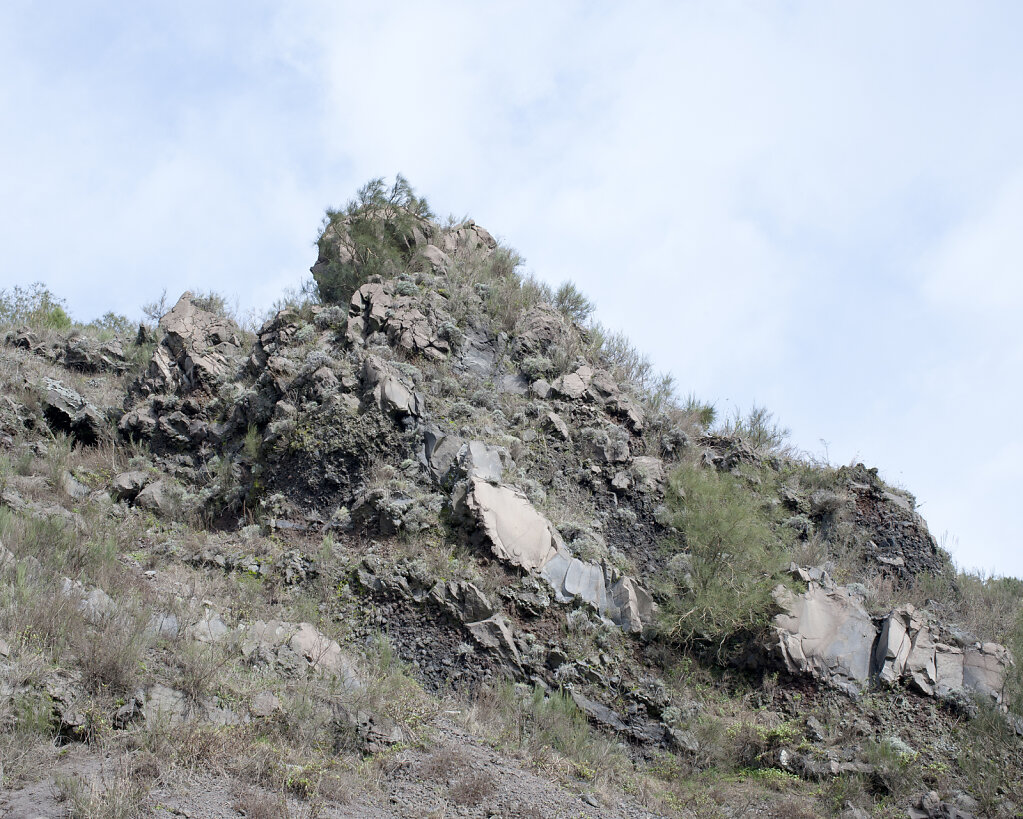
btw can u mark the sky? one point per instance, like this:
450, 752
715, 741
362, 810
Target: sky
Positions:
816, 207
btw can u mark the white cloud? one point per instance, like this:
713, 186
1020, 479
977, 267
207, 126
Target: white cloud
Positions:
811, 206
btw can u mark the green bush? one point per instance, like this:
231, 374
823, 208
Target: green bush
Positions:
720, 586
758, 428
112, 324
571, 301
35, 306
371, 235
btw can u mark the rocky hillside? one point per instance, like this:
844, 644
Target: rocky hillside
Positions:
432, 543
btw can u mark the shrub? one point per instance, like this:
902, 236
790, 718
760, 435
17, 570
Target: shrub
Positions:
35, 306
112, 324
758, 428
570, 300
371, 235
722, 586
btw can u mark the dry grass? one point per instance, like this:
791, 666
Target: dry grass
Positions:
117, 795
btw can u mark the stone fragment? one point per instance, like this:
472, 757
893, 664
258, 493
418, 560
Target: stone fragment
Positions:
388, 391
134, 710
555, 424
495, 634
323, 654
264, 705
517, 533
161, 497
630, 605
197, 349
648, 473
127, 485
67, 412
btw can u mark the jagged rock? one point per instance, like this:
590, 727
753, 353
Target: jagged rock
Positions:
541, 331
495, 634
127, 485
264, 705
575, 384
210, 628
64, 688
910, 648
322, 653
67, 412
161, 497
163, 624
450, 458
556, 424
468, 236
378, 308
630, 605
827, 633
463, 600
94, 604
600, 714
648, 473
436, 258
521, 536
541, 388
86, 355
166, 706
198, 348
388, 391
571, 577
517, 533
134, 710
8, 562
375, 732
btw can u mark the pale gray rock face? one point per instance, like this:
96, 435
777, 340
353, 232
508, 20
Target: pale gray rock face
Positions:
197, 348
435, 258
648, 473
160, 497
518, 534
495, 634
521, 536
297, 647
827, 633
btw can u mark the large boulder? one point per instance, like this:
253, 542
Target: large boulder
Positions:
68, 412
451, 458
516, 532
825, 632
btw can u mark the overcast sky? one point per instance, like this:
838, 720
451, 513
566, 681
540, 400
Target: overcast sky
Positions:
813, 206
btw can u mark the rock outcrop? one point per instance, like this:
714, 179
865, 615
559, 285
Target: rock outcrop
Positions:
827, 633
520, 536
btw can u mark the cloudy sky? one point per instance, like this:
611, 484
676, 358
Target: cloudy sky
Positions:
813, 206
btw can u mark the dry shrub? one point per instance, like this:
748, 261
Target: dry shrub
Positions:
472, 788
110, 654
442, 763
254, 804
120, 796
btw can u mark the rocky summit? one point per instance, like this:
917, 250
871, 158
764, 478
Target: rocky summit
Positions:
428, 541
